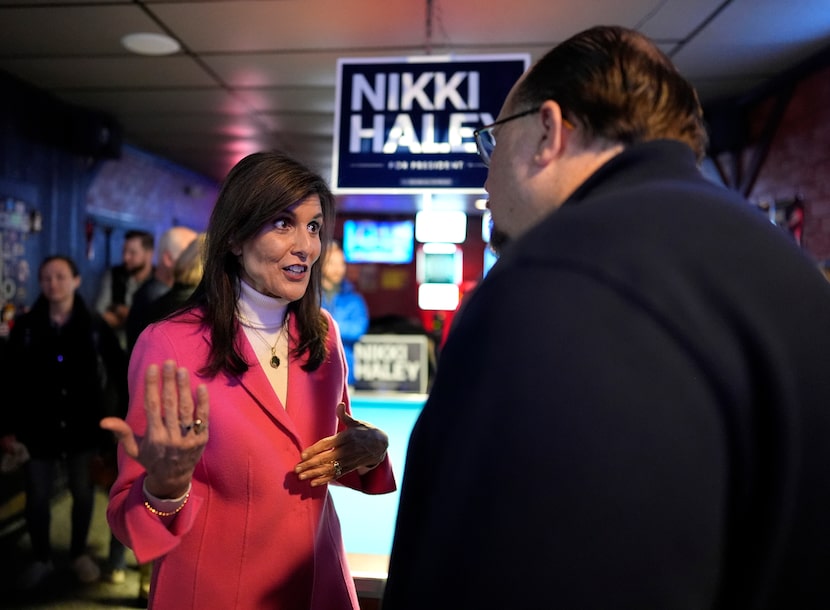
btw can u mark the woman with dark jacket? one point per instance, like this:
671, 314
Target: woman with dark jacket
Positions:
74, 372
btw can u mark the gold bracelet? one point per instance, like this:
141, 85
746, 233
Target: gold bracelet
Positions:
159, 513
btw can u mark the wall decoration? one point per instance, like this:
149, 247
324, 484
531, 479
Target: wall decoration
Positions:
18, 220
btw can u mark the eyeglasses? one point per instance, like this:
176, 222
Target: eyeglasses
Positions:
486, 141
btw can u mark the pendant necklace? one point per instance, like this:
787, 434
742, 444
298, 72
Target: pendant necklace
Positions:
275, 360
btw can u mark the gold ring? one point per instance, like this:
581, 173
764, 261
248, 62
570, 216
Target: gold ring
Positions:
197, 426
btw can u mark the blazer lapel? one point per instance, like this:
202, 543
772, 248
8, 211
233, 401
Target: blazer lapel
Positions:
256, 383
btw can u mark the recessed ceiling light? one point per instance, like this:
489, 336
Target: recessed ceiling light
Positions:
145, 43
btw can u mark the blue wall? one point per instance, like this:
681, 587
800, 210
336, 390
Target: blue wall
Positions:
67, 166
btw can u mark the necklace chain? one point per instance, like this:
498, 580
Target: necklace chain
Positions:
275, 360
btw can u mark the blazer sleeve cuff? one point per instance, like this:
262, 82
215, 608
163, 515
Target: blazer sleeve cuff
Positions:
152, 536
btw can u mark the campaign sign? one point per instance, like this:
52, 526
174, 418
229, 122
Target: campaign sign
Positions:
406, 124
393, 363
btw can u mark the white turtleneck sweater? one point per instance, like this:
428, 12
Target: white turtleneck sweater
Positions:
264, 322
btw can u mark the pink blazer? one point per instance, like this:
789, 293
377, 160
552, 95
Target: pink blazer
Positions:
252, 534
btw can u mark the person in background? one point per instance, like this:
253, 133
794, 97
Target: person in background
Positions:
239, 414
120, 282
345, 304
631, 409
187, 273
72, 368
119, 286
170, 245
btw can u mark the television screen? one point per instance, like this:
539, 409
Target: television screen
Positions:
378, 241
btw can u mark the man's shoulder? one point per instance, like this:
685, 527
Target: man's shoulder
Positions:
652, 217
117, 271
151, 289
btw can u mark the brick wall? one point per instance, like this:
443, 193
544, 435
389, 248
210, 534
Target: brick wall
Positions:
146, 191
139, 191
798, 163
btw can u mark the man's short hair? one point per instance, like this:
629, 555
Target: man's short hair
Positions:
617, 86
148, 242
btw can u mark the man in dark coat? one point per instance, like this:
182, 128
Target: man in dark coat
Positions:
632, 410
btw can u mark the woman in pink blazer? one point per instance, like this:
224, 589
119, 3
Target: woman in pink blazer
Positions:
239, 415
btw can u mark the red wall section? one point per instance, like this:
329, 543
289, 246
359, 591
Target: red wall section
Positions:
798, 162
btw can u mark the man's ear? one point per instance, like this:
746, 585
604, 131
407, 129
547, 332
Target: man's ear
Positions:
554, 139
168, 259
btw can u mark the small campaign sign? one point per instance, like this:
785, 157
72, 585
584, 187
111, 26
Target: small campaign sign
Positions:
392, 363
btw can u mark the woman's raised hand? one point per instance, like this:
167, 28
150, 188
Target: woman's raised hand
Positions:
176, 434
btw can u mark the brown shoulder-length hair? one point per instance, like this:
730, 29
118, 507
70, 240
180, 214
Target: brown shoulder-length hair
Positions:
255, 192
617, 86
